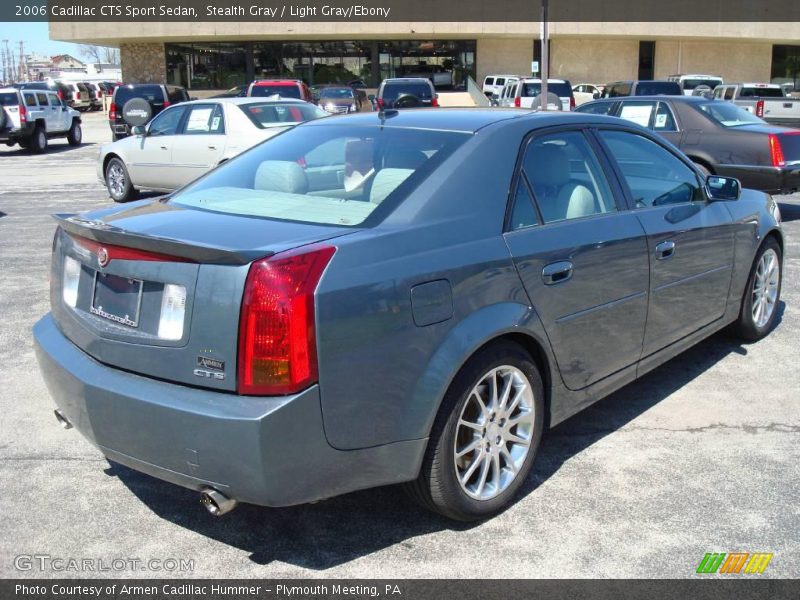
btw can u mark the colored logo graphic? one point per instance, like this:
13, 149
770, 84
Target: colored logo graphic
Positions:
734, 562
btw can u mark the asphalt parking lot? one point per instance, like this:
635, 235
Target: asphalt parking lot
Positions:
701, 455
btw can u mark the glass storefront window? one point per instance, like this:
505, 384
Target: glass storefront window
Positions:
223, 65
786, 65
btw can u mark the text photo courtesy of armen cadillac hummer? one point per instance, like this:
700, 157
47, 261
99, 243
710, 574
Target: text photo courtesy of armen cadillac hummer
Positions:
400, 297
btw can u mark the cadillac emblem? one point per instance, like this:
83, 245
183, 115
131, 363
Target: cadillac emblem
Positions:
102, 257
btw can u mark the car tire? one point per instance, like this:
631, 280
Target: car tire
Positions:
38, 142
763, 290
118, 182
703, 169
75, 134
454, 479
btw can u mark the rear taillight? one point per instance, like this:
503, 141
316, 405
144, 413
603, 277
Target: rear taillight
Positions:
70, 280
167, 104
23, 114
112, 112
517, 102
60, 95
760, 108
435, 101
776, 151
571, 103
77, 95
99, 94
381, 103
277, 331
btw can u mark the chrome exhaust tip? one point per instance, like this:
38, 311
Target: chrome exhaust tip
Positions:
62, 420
216, 502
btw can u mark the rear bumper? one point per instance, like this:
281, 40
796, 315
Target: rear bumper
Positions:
120, 129
773, 180
268, 451
15, 135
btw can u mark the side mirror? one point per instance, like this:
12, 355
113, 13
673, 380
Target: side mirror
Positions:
723, 188
139, 130
596, 95
371, 97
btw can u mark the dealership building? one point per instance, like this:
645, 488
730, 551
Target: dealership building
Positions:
220, 55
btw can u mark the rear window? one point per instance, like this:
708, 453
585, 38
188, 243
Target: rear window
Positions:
392, 90
336, 93
757, 92
332, 175
531, 89
9, 99
275, 114
284, 91
151, 93
690, 84
727, 114
655, 88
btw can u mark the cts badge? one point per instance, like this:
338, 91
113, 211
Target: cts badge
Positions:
209, 374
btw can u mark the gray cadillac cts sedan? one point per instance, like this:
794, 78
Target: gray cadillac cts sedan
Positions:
398, 297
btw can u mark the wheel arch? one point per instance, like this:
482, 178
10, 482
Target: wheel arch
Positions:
107, 159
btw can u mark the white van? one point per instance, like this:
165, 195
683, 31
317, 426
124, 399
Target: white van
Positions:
493, 84
688, 83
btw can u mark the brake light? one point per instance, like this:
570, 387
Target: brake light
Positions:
167, 103
124, 253
571, 103
517, 102
760, 108
277, 331
99, 94
60, 95
77, 95
23, 114
112, 112
380, 103
776, 151
435, 101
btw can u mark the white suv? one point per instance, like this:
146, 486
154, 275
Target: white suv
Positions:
31, 117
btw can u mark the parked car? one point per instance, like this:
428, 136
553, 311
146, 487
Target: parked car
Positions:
31, 117
186, 140
438, 75
237, 91
339, 99
641, 88
586, 92
688, 83
95, 95
720, 137
59, 87
765, 100
366, 304
406, 92
494, 84
79, 96
283, 88
528, 89
135, 104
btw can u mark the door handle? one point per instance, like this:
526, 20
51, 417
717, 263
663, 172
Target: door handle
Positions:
665, 250
212, 147
557, 272
164, 148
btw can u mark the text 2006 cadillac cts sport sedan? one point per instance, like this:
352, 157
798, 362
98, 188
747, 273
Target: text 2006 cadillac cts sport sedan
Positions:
397, 297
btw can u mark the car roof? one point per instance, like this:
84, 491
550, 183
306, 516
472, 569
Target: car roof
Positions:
465, 120
539, 79
277, 82
662, 97
247, 100
405, 79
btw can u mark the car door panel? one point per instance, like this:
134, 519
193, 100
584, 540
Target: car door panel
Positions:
690, 240
200, 145
149, 157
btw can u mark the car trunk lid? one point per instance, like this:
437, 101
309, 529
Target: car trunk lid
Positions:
156, 289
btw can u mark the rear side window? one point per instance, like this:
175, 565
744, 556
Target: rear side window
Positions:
500, 81
205, 119
655, 88
566, 177
620, 89
334, 175
489, 81
284, 91
30, 99
151, 93
523, 213
42, 98
9, 99
655, 176
176, 95
392, 90
729, 93
596, 108
54, 101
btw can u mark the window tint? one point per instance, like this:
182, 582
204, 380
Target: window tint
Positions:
151, 93
727, 114
177, 95
654, 175
54, 101
204, 118
761, 92
364, 168
278, 114
166, 123
489, 81
283, 91
522, 213
566, 177
729, 93
664, 120
9, 99
655, 88
500, 81
30, 100
42, 98
595, 108
392, 90
533, 89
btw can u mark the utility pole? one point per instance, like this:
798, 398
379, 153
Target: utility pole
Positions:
545, 35
23, 67
6, 78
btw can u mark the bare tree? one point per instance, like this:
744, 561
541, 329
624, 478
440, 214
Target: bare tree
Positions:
100, 54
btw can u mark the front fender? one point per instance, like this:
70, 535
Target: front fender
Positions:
463, 340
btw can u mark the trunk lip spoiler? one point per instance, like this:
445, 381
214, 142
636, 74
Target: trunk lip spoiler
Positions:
103, 233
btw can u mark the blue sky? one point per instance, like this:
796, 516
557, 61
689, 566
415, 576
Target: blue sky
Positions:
36, 38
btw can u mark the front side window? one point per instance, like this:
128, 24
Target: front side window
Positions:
727, 114
30, 100
54, 101
167, 122
42, 98
566, 177
204, 119
655, 176
331, 174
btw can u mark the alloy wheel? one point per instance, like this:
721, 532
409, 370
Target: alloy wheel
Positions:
765, 287
116, 179
494, 432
